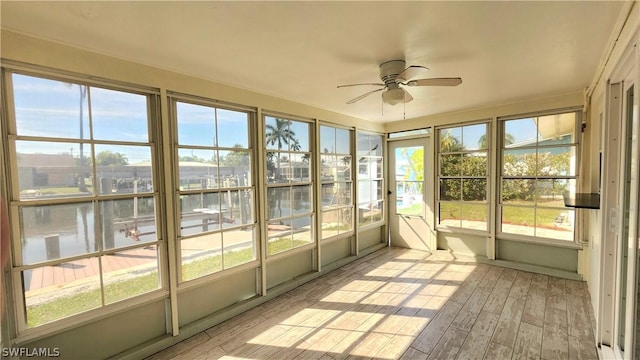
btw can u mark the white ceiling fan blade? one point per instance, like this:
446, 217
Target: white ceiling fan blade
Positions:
370, 84
364, 95
435, 82
412, 71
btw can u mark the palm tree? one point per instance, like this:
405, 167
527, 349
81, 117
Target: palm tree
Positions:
295, 144
279, 135
449, 143
508, 140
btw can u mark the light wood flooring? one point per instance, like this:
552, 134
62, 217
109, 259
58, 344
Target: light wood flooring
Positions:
399, 303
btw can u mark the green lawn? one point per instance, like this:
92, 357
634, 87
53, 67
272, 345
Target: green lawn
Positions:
516, 215
78, 302
81, 301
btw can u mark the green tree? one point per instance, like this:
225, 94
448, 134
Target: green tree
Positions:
448, 142
416, 161
280, 135
482, 141
237, 157
110, 158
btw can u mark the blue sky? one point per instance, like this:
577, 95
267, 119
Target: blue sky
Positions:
50, 108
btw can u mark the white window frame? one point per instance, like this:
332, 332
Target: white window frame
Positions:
10, 137
499, 177
174, 99
488, 177
366, 153
327, 182
291, 185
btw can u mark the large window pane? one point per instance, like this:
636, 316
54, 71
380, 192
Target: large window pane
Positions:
233, 128
51, 232
556, 161
130, 273
288, 234
279, 202
518, 220
539, 165
127, 222
474, 164
475, 137
54, 169
234, 168
557, 129
288, 163
196, 124
300, 167
335, 222
279, 135
300, 133
239, 207
370, 179
474, 189
201, 255
549, 192
343, 141
200, 213
59, 291
95, 195
450, 189
519, 162
50, 108
520, 133
474, 215
451, 140
450, 213
451, 165
198, 169
518, 191
123, 169
336, 168
463, 176
119, 116
555, 223
239, 247
327, 140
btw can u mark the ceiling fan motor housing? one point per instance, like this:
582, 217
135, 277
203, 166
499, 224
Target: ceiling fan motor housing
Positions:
389, 71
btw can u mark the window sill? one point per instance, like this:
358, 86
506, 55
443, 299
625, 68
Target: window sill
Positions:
567, 244
456, 230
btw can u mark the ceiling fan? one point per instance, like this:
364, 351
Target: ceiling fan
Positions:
395, 75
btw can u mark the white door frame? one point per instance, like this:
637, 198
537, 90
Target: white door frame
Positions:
412, 231
620, 115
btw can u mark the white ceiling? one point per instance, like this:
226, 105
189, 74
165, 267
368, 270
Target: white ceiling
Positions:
300, 51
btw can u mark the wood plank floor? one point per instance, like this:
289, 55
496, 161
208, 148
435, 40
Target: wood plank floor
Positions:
407, 304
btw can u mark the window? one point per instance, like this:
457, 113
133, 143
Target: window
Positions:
289, 184
216, 191
370, 179
337, 183
463, 176
83, 165
538, 157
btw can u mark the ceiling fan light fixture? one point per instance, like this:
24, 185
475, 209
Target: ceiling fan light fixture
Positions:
394, 96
